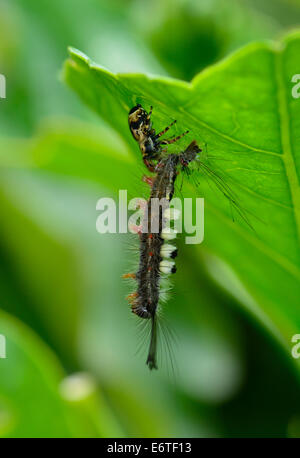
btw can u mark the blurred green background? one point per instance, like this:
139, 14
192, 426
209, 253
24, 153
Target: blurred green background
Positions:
71, 368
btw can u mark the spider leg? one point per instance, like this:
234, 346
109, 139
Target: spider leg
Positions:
173, 140
165, 130
150, 113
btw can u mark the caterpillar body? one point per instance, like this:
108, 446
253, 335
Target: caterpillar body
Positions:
156, 255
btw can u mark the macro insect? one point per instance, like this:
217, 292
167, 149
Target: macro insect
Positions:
156, 256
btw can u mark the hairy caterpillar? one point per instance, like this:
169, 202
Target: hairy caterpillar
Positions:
156, 256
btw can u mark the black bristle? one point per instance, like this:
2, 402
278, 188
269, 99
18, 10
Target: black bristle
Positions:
174, 254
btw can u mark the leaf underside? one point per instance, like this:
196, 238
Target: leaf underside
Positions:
243, 114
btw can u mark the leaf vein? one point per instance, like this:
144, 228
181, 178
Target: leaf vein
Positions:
288, 158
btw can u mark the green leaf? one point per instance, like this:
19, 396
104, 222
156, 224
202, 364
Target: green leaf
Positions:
209, 338
243, 110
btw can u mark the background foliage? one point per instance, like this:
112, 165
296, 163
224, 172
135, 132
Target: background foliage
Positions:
71, 368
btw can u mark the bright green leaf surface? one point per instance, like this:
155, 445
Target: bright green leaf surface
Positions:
243, 110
